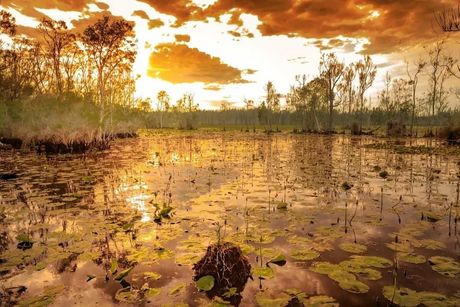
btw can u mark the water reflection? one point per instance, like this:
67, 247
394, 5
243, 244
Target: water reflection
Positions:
311, 197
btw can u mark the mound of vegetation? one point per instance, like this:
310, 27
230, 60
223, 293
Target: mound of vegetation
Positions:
223, 272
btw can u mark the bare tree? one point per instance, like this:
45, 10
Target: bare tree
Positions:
439, 70
413, 82
163, 102
366, 72
331, 70
347, 87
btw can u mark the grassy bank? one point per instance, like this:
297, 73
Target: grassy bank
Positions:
66, 124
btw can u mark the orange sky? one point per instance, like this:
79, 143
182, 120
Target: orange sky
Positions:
225, 50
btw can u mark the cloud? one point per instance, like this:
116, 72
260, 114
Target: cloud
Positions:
141, 14
178, 63
219, 103
213, 87
182, 38
155, 23
183, 10
29, 8
389, 25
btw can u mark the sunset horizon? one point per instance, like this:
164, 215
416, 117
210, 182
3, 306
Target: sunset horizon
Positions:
225, 51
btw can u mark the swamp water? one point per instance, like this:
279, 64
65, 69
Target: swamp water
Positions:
322, 220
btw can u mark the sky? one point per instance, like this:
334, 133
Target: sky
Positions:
226, 50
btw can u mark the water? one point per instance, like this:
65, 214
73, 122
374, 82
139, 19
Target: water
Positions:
88, 218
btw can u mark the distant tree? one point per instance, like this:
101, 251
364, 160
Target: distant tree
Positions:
249, 107
331, 70
385, 101
272, 100
144, 104
163, 103
413, 82
224, 107
346, 87
366, 72
439, 70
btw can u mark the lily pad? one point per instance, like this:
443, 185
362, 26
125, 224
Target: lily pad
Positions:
353, 248
205, 283
412, 258
120, 276
263, 272
304, 254
278, 260
445, 266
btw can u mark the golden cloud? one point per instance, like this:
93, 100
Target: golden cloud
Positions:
178, 63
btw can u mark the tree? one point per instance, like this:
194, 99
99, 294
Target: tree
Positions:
385, 100
413, 82
109, 45
366, 72
272, 101
7, 23
439, 66
56, 38
163, 101
347, 87
331, 70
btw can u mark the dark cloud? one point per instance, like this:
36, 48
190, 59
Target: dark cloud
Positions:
178, 63
397, 24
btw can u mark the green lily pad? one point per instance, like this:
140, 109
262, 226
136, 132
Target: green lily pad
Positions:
205, 283
432, 244
412, 258
321, 301
263, 272
445, 266
400, 247
408, 297
345, 279
120, 276
304, 254
353, 248
278, 260
264, 300
152, 275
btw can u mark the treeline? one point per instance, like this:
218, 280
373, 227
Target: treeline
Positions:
67, 87
337, 96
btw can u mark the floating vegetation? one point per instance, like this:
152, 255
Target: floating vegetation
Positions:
345, 272
445, 266
353, 248
304, 254
116, 217
408, 297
